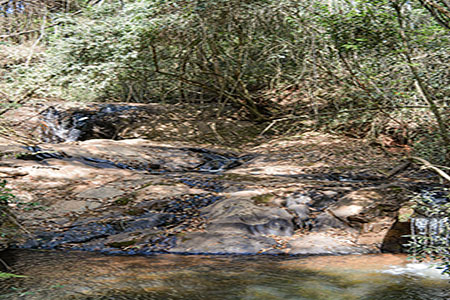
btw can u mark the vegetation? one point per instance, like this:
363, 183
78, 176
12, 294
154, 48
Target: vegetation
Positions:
367, 68
378, 69
431, 229
9, 275
5, 195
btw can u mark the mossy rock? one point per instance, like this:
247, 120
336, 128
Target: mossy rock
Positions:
405, 214
182, 236
122, 244
123, 201
263, 199
135, 211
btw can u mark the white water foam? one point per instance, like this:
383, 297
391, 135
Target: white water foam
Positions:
421, 269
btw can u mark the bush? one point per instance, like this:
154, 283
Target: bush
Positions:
153, 50
350, 66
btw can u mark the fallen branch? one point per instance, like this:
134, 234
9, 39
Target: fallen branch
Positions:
427, 165
398, 169
13, 219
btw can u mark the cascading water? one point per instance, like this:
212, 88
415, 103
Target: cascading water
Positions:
83, 124
430, 229
58, 128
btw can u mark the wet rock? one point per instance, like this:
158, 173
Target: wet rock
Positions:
133, 196
297, 204
238, 226
298, 199
107, 121
236, 209
98, 233
221, 243
324, 199
279, 227
302, 217
395, 237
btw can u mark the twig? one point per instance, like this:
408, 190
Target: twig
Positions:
25, 98
17, 223
4, 36
30, 55
218, 136
5, 265
279, 120
398, 169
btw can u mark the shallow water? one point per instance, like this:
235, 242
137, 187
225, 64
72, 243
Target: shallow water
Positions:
82, 275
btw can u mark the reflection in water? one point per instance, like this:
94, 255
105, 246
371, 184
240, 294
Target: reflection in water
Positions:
74, 275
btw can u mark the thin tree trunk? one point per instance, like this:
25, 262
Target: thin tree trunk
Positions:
422, 87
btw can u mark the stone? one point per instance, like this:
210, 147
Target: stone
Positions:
330, 194
405, 214
71, 206
298, 200
279, 227
345, 211
324, 220
324, 244
159, 191
301, 212
220, 243
163, 202
12, 172
243, 210
104, 192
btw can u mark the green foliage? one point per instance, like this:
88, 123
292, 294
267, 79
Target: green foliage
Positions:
9, 275
431, 239
5, 195
361, 27
346, 65
156, 50
429, 145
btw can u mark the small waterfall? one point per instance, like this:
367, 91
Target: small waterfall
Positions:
434, 230
82, 124
58, 127
430, 229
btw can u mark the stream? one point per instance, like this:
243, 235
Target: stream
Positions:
82, 275
92, 188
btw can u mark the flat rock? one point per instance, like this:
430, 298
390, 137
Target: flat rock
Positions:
104, 192
324, 244
219, 243
142, 195
158, 191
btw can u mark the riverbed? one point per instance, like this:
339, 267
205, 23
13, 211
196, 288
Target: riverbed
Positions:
83, 275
